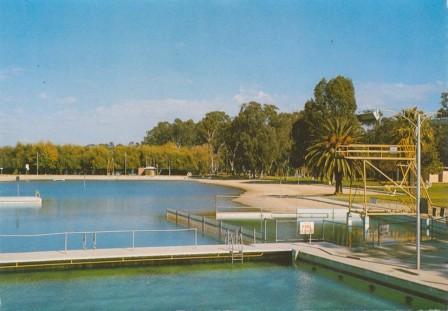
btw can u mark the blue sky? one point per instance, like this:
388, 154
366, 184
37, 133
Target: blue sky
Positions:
99, 71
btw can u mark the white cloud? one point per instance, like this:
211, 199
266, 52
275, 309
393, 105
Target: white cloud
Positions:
11, 72
42, 95
121, 122
395, 95
246, 95
68, 100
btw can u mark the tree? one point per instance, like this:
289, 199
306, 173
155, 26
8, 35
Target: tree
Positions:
185, 133
161, 134
333, 98
254, 138
211, 128
322, 157
182, 133
443, 111
406, 136
283, 124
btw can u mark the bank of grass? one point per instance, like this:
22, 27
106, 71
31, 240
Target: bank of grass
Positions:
437, 192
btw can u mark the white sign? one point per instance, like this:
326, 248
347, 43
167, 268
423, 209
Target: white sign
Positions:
393, 149
384, 229
27, 166
306, 227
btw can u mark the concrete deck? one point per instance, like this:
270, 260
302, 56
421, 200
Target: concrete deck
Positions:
431, 283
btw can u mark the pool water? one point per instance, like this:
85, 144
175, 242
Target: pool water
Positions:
103, 205
245, 286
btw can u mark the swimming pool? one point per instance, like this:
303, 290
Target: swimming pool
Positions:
196, 287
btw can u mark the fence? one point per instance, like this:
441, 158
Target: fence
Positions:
263, 230
382, 233
211, 227
94, 240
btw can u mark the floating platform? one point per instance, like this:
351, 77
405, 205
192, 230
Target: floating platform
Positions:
92, 258
20, 201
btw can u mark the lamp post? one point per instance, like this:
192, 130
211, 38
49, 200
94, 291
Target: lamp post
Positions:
419, 173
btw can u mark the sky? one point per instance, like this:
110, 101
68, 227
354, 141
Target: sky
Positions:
91, 71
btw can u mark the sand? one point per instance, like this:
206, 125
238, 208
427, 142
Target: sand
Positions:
278, 197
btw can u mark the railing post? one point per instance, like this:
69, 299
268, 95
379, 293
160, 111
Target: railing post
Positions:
334, 237
94, 240
265, 229
133, 235
66, 241
323, 230
379, 243
255, 237
220, 229
195, 236
276, 230
84, 241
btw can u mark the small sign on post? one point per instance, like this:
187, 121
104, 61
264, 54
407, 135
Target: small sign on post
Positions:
307, 227
384, 229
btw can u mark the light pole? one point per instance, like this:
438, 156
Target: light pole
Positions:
418, 147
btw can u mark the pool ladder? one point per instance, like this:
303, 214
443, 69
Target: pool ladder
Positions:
234, 240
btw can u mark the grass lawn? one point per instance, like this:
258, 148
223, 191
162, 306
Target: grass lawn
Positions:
437, 192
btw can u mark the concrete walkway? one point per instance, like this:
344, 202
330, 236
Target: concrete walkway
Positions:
430, 275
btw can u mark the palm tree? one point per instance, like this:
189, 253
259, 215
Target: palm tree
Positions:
323, 158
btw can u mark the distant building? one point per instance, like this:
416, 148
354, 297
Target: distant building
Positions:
439, 178
147, 171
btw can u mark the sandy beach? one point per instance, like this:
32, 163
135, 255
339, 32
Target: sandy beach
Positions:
277, 197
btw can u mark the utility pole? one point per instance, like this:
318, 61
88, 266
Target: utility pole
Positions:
418, 147
37, 170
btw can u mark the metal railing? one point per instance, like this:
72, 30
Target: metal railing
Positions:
93, 235
211, 227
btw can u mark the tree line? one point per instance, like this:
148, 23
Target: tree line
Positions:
260, 140
48, 158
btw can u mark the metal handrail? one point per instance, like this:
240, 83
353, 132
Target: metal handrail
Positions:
68, 233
